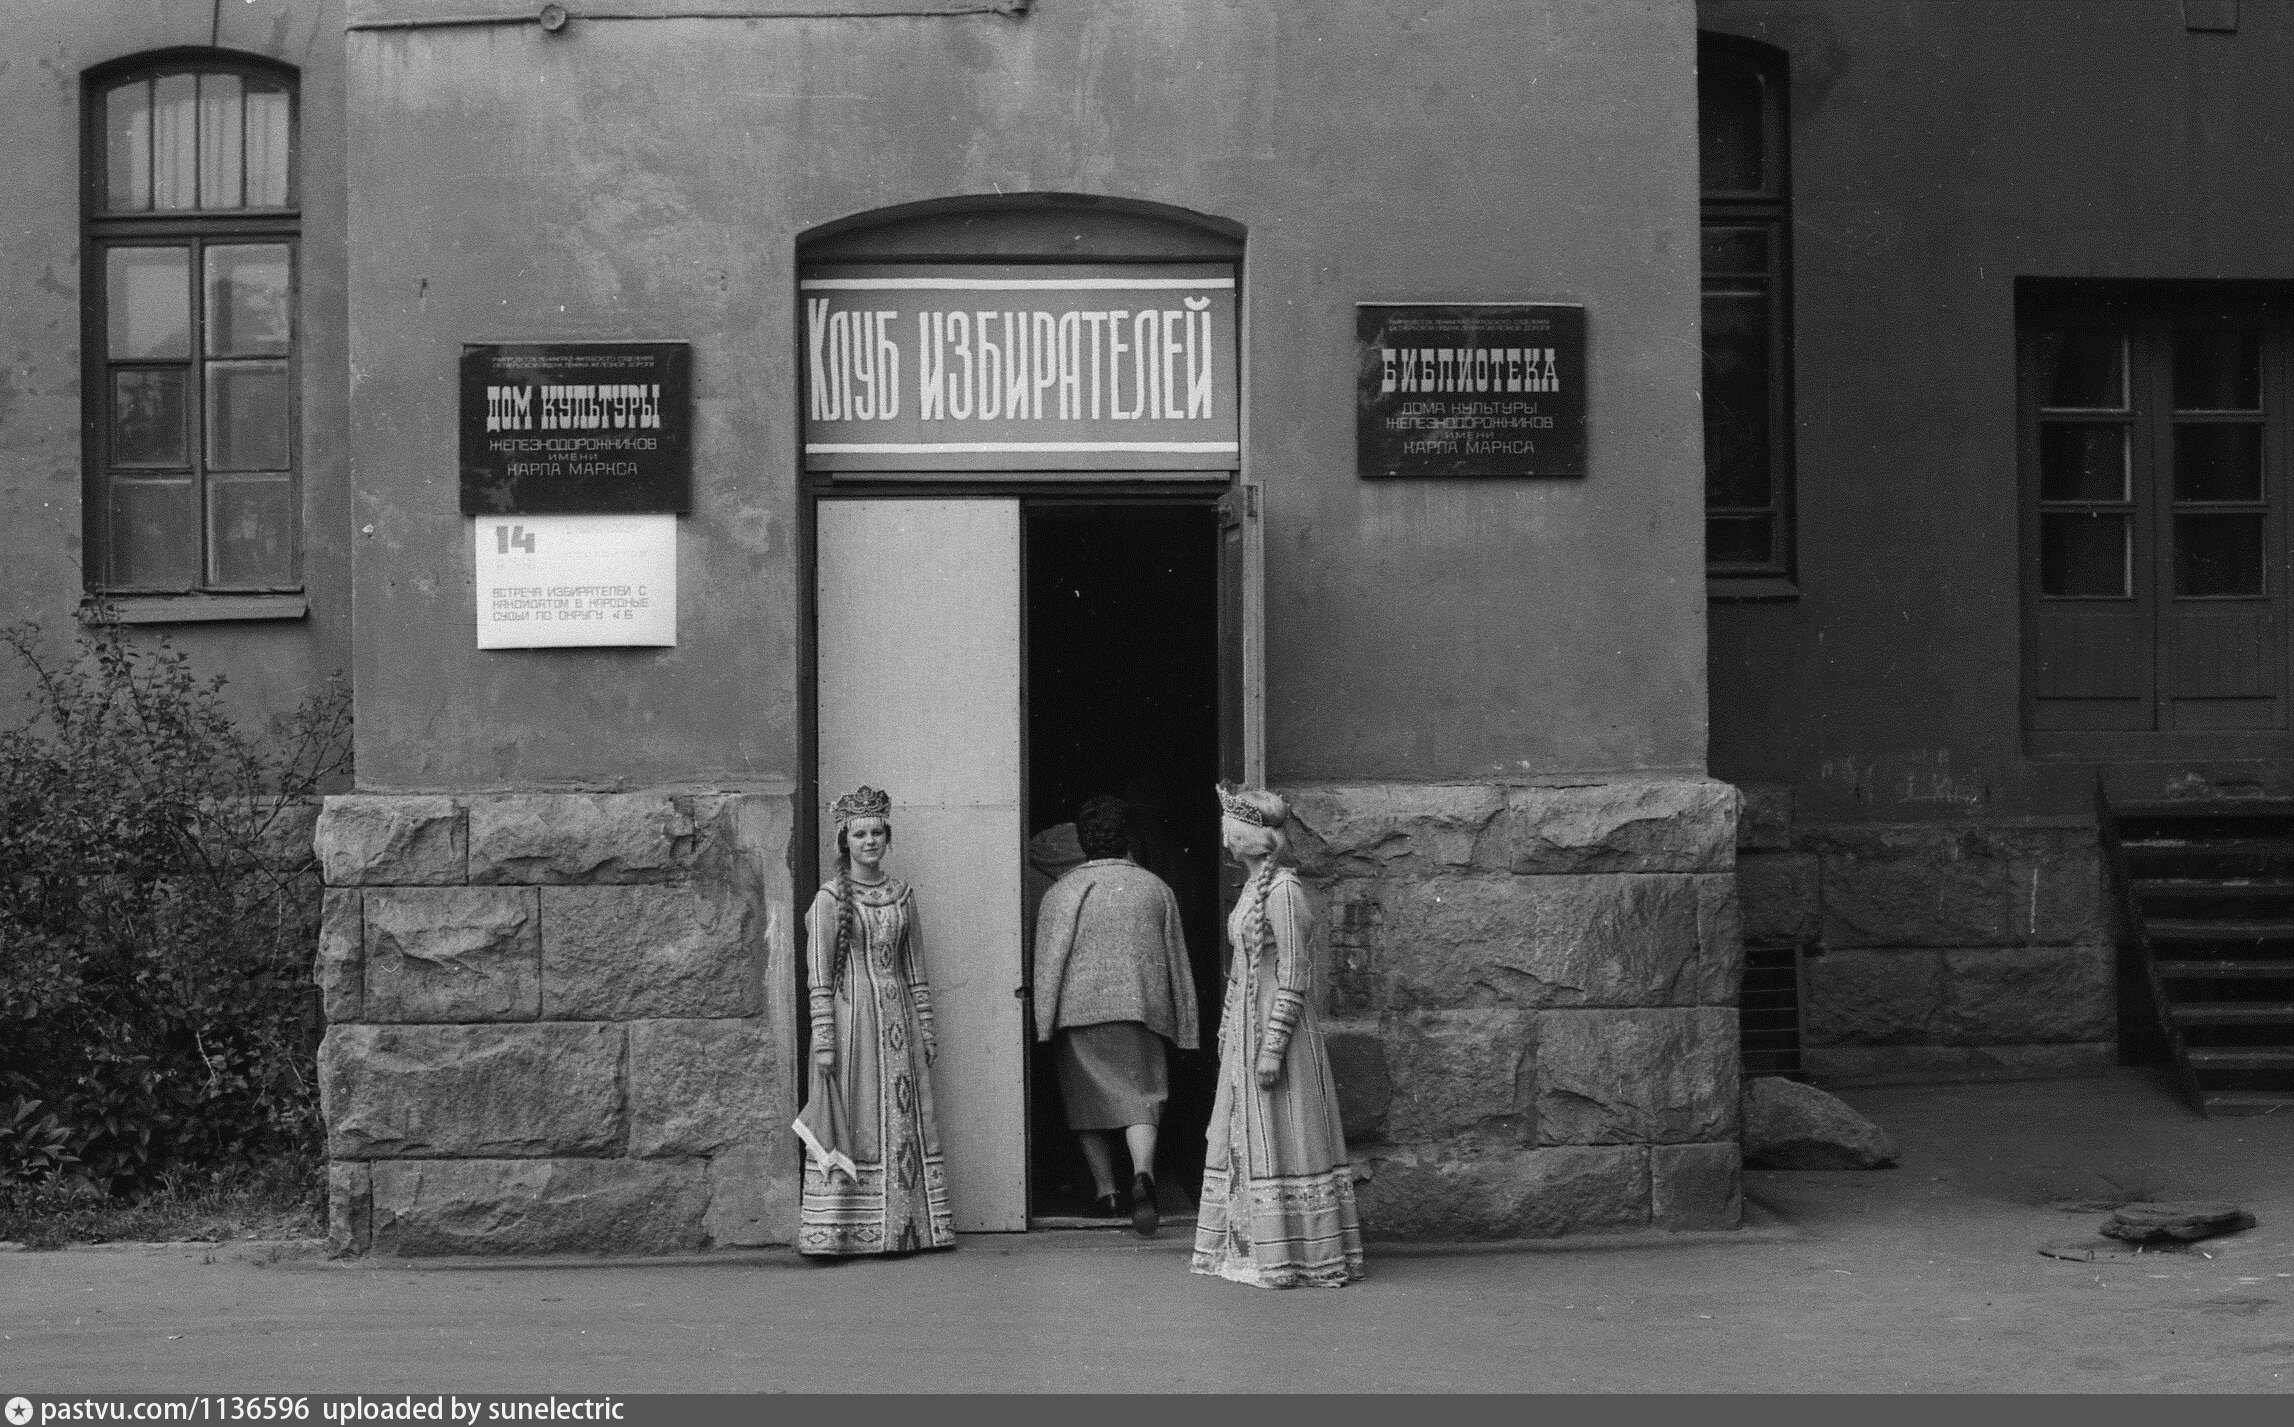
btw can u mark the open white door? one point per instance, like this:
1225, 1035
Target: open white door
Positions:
919, 688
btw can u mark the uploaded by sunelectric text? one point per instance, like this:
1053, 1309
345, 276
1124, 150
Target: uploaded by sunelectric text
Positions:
347, 1411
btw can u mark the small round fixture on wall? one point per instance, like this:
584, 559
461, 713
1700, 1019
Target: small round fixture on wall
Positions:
553, 18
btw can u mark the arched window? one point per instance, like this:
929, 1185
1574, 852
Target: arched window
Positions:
1743, 146
190, 326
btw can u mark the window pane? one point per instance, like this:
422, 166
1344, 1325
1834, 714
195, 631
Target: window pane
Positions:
247, 293
148, 411
2218, 371
2218, 462
219, 141
154, 535
2083, 370
247, 416
2085, 462
2085, 554
1740, 540
148, 303
268, 146
1737, 378
175, 141
1729, 129
1735, 250
127, 147
2218, 554
253, 532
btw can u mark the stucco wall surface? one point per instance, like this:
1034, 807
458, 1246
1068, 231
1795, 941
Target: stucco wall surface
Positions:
650, 178
47, 48
1940, 150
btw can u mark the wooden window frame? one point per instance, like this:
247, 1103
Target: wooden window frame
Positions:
2149, 313
1768, 209
195, 231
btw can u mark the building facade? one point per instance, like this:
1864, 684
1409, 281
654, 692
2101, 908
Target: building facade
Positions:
1987, 432
2028, 549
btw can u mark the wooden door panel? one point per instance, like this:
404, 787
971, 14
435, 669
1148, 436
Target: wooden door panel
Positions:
2223, 655
2091, 670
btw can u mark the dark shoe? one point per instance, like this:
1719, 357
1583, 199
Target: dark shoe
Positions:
1144, 1216
1107, 1206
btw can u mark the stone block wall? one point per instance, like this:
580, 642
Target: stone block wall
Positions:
1532, 997
1935, 950
558, 1022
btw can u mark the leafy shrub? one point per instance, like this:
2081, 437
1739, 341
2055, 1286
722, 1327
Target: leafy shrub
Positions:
159, 905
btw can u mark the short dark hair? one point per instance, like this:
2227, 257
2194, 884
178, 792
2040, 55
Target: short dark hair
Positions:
1103, 826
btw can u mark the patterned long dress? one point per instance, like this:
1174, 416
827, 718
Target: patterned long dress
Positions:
1278, 1193
874, 1179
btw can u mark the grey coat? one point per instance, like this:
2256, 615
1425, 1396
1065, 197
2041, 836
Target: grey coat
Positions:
1108, 947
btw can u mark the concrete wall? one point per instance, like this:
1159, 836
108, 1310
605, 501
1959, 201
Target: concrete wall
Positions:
651, 177
1942, 149
49, 46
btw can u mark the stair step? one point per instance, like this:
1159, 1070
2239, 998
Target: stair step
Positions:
2205, 929
2234, 1013
2208, 810
2241, 1057
2246, 1102
2212, 846
2227, 970
2176, 889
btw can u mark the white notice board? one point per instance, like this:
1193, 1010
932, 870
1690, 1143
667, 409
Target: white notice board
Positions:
584, 580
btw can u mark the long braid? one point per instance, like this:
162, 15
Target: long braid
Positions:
1261, 887
843, 908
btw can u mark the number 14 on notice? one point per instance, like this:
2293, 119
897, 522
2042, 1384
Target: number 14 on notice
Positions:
512, 537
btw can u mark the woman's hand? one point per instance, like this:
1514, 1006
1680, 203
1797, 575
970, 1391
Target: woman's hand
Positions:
1269, 1069
824, 1056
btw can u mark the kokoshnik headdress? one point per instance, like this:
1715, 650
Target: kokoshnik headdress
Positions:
1233, 805
862, 802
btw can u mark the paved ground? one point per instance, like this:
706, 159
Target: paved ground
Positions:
1922, 1277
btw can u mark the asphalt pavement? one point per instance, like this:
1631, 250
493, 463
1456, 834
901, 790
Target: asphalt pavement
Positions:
1925, 1277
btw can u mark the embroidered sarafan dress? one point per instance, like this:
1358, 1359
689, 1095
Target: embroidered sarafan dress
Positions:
874, 1179
1278, 1193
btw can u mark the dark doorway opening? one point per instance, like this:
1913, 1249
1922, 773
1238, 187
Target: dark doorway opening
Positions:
1122, 667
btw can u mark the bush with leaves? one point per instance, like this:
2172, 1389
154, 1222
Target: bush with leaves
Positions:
159, 905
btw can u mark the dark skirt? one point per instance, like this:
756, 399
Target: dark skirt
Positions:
1111, 1075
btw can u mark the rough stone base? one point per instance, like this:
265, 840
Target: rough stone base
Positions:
551, 1206
559, 1023
1936, 951
1534, 1003
1907, 1064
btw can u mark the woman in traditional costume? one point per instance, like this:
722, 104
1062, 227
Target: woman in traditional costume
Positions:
874, 1179
1278, 1193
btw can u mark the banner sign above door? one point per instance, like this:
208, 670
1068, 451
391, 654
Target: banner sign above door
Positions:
1119, 367
1470, 389
577, 428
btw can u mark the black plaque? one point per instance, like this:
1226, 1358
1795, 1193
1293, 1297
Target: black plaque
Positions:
1470, 389
577, 428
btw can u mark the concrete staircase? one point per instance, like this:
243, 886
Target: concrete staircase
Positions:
2207, 896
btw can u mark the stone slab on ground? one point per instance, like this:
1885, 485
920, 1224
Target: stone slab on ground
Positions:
1788, 1125
2180, 1221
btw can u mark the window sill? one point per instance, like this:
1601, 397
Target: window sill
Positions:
190, 609
1749, 589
